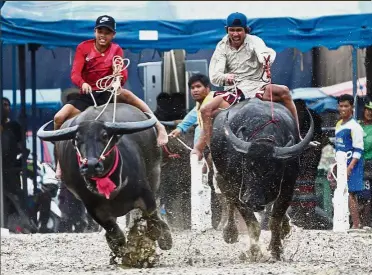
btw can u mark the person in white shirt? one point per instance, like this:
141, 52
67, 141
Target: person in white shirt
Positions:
240, 60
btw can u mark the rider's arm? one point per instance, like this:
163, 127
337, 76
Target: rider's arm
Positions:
124, 73
217, 67
262, 50
190, 119
77, 67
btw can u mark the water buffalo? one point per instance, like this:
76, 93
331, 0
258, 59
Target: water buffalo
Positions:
113, 167
257, 159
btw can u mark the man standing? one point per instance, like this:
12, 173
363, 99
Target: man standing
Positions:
349, 139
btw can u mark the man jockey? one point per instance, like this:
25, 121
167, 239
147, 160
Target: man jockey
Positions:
93, 61
239, 63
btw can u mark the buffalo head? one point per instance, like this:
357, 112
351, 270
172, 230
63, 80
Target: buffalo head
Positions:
93, 138
284, 152
264, 156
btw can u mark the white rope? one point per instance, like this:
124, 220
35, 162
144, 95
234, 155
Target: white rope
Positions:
190, 149
111, 84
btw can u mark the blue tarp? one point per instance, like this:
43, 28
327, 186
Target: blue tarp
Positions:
191, 26
315, 99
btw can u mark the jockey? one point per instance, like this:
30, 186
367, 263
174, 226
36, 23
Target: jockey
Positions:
239, 59
93, 61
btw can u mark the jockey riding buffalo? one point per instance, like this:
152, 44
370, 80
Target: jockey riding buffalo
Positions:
255, 148
113, 167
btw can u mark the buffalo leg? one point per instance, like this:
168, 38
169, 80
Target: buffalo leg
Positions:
230, 231
254, 231
114, 236
158, 230
279, 221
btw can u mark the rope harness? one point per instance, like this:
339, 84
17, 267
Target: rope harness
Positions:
267, 70
111, 84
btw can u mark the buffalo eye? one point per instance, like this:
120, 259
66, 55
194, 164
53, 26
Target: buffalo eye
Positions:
104, 136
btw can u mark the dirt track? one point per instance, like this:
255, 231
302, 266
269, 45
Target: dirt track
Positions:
305, 252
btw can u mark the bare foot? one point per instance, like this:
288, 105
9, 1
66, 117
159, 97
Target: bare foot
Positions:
162, 137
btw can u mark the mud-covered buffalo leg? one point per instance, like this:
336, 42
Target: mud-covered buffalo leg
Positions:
254, 231
158, 230
230, 231
114, 236
279, 222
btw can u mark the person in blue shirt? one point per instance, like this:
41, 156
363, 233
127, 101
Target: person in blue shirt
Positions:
349, 138
200, 89
189, 120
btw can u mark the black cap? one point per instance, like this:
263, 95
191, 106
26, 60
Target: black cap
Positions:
106, 21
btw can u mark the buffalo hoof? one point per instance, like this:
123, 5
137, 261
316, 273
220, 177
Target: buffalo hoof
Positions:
153, 230
275, 256
230, 234
286, 229
254, 253
276, 252
165, 241
140, 249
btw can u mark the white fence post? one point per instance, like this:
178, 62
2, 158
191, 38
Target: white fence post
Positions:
201, 217
341, 195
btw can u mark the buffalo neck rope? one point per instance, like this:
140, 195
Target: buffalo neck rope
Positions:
110, 83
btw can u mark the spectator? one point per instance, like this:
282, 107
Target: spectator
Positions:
349, 139
13, 125
11, 144
365, 196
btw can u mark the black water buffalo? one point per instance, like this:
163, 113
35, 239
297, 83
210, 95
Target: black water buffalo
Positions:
132, 159
257, 162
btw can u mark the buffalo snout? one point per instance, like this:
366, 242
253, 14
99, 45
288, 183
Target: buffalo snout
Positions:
92, 168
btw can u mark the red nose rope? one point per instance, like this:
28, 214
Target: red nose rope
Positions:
105, 185
273, 120
169, 153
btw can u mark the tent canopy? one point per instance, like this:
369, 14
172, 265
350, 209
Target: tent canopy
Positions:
165, 25
325, 98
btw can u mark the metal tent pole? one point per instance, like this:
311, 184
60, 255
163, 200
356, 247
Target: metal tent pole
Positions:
355, 80
33, 48
1, 151
22, 117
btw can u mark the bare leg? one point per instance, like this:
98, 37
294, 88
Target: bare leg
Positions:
68, 111
128, 97
281, 93
208, 112
354, 210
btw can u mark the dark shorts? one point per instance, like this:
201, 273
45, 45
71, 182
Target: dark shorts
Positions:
83, 101
231, 97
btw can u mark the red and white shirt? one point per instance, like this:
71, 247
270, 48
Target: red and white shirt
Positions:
90, 65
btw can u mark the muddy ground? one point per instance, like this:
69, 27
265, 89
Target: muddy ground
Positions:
305, 252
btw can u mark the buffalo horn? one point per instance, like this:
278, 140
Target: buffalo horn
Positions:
121, 128
56, 135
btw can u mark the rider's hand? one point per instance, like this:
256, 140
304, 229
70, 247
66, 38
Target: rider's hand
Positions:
197, 152
85, 88
230, 78
175, 133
